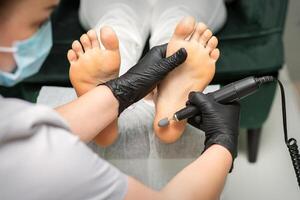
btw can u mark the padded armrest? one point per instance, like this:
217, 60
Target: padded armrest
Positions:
251, 40
253, 18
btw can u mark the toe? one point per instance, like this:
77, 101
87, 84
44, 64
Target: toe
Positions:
76, 46
200, 28
215, 54
212, 44
71, 56
109, 38
85, 41
205, 37
93, 38
184, 28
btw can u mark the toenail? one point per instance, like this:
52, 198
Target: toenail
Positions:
83, 38
77, 46
208, 33
74, 45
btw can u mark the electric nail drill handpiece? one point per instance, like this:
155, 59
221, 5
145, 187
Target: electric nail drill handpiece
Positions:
229, 93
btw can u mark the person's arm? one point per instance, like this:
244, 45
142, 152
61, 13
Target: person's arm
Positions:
92, 112
64, 167
203, 179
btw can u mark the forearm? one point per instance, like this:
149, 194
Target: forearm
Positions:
90, 113
203, 179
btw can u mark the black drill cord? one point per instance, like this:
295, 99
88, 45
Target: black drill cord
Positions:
291, 143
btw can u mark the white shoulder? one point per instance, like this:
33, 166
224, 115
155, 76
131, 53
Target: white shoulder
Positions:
46, 161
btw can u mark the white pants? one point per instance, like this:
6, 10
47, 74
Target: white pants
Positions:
134, 20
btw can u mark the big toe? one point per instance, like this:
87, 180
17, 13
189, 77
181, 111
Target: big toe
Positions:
184, 28
109, 38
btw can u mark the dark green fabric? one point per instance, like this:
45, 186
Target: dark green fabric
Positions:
253, 56
251, 40
255, 108
250, 44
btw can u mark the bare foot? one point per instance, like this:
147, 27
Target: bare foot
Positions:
193, 75
90, 66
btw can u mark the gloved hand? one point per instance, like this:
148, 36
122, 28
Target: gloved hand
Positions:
219, 122
142, 78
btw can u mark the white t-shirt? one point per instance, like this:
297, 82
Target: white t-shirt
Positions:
41, 159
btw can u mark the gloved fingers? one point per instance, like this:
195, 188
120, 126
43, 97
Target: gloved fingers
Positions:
234, 108
196, 97
192, 122
191, 94
202, 101
176, 59
188, 102
195, 121
234, 105
160, 50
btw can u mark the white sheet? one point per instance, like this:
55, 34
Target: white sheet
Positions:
137, 151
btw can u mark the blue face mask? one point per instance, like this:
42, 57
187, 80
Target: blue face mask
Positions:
29, 55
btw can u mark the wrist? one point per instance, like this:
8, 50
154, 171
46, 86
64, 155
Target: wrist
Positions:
113, 101
115, 87
229, 142
219, 157
224, 154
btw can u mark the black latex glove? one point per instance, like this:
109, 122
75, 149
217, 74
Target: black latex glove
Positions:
219, 122
142, 78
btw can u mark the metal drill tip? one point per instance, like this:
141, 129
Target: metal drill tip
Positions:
164, 122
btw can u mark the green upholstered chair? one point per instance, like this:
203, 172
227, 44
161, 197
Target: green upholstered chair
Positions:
250, 44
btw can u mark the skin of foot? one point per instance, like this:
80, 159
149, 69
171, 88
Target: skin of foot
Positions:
91, 65
193, 75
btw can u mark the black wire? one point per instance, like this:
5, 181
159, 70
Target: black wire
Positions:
292, 142
283, 107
